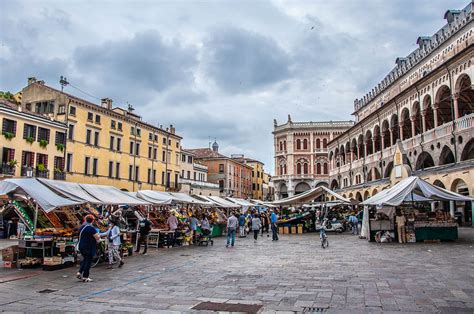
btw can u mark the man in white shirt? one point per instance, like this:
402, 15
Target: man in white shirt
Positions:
232, 223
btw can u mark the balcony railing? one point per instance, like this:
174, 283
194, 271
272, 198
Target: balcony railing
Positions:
59, 175
7, 170
42, 173
27, 171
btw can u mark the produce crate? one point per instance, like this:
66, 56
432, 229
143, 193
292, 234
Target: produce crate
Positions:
293, 230
281, 230
8, 264
300, 229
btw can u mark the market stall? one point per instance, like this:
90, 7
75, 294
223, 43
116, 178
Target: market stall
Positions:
404, 211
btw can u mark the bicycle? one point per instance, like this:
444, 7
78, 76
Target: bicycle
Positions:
102, 255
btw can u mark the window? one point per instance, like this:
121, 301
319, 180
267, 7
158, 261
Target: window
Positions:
111, 169
183, 158
190, 159
189, 174
72, 111
130, 172
29, 131
61, 109
164, 141
155, 152
318, 143
137, 173
70, 133
96, 138
221, 168
60, 138
139, 132
94, 167
194, 176
43, 134
117, 170
28, 106
164, 156
305, 144
90, 116
318, 168
156, 138
154, 176
44, 107
69, 163
325, 143
253, 186
148, 179
169, 142
137, 149
97, 119
86, 165
162, 178
111, 144
177, 144
132, 130
88, 136
325, 168
149, 151
112, 124
298, 144
119, 144
150, 136
9, 126
221, 185
131, 147
119, 126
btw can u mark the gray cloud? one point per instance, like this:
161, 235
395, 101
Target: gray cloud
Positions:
241, 61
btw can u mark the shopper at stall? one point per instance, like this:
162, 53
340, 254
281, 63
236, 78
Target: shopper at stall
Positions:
88, 239
205, 226
265, 222
232, 223
273, 220
401, 220
144, 231
193, 224
242, 225
256, 225
173, 226
355, 224
114, 242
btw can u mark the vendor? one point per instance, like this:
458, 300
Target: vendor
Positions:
401, 221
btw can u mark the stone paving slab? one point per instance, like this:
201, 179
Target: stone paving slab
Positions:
290, 275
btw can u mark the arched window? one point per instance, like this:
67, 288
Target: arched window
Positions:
284, 145
318, 143
305, 168
318, 168
325, 143
298, 168
281, 169
298, 144
284, 169
305, 144
325, 168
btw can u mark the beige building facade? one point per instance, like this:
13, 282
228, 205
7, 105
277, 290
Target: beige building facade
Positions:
301, 154
193, 178
424, 106
108, 145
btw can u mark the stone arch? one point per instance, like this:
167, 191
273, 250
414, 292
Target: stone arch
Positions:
465, 94
359, 197
443, 105
348, 152
351, 195
302, 187
388, 170
405, 123
429, 114
322, 183
368, 142
366, 195
334, 184
416, 115
325, 168
460, 186
394, 125
283, 190
305, 144
446, 156
438, 183
386, 134
318, 143
354, 148
374, 192
377, 139
360, 146
373, 174
298, 144
424, 161
468, 151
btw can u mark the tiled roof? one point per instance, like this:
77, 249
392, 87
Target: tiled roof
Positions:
206, 153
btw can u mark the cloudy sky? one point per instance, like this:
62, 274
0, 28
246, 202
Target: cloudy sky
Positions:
216, 69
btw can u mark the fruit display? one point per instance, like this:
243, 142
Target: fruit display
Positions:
58, 232
30, 262
54, 219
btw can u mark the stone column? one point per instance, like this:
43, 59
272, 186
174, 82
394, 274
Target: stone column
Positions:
435, 114
400, 125
456, 105
391, 136
365, 149
451, 208
382, 139
423, 121
413, 131
373, 145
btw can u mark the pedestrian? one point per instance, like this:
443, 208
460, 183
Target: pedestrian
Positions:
88, 239
256, 225
231, 228
273, 220
173, 226
144, 230
242, 225
205, 226
401, 220
264, 220
355, 224
193, 224
114, 242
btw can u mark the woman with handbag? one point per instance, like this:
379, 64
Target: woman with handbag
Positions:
114, 242
88, 239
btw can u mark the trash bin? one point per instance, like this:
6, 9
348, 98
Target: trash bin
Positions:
458, 217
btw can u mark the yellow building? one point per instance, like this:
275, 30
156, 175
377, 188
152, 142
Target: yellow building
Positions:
257, 175
30, 144
106, 145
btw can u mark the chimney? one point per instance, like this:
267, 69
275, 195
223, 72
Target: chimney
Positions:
106, 103
172, 129
31, 80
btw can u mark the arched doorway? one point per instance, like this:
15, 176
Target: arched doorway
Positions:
374, 192
416, 114
302, 187
446, 157
429, 114
366, 195
438, 183
395, 128
405, 122
377, 139
283, 191
459, 186
360, 144
354, 149
468, 151
334, 184
359, 197
369, 143
466, 96
443, 103
424, 161
386, 134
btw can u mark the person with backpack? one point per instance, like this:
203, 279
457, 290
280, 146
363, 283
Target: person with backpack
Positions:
114, 242
88, 239
144, 230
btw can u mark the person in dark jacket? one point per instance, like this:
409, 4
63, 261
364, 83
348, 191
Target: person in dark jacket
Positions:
88, 239
144, 231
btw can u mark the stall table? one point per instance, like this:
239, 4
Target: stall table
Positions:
433, 231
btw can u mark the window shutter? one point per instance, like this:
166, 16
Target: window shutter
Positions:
47, 134
32, 160
25, 127
34, 133
62, 163
23, 159
11, 154
45, 161
14, 128
4, 126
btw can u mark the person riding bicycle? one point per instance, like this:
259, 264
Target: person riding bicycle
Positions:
114, 242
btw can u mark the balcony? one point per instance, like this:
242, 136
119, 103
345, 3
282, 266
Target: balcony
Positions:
42, 173
60, 175
321, 150
27, 171
7, 170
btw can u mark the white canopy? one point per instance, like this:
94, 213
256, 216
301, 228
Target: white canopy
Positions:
223, 202
44, 197
111, 195
240, 201
71, 190
155, 197
187, 199
402, 191
309, 196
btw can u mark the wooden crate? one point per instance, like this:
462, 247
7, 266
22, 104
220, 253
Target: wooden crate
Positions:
293, 230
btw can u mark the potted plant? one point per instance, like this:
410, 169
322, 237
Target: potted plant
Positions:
58, 171
13, 163
43, 143
30, 139
8, 135
41, 167
60, 147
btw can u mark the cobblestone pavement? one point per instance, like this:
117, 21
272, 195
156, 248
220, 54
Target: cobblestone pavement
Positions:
293, 274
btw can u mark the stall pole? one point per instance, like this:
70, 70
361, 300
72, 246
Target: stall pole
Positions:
451, 208
36, 218
472, 213
433, 207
